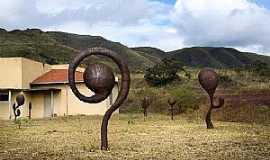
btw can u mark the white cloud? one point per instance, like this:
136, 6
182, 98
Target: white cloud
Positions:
232, 23
235, 23
142, 34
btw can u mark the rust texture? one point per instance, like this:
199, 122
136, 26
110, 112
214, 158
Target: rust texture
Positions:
30, 110
146, 102
172, 102
208, 79
20, 101
99, 78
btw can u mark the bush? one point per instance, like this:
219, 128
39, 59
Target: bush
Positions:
163, 72
21, 121
187, 98
226, 81
260, 69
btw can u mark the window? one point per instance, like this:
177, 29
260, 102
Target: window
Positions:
3, 97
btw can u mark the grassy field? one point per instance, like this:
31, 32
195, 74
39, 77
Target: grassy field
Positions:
77, 137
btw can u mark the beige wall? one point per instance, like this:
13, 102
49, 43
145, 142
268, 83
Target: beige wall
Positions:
18, 73
4, 110
11, 73
37, 100
32, 70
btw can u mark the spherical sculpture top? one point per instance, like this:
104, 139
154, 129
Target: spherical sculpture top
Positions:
20, 100
208, 78
171, 101
99, 78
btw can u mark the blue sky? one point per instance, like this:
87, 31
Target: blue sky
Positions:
165, 24
265, 3
168, 1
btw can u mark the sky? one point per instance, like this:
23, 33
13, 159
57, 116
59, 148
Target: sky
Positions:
165, 24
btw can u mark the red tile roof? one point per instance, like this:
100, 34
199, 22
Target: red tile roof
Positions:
57, 76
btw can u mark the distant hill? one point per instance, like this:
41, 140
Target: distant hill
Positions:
61, 47
216, 57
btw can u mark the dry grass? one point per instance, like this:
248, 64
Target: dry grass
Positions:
132, 138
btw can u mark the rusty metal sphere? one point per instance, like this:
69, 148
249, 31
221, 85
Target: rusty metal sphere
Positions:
99, 78
208, 79
20, 99
171, 101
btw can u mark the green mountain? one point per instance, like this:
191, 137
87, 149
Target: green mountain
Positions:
216, 57
61, 47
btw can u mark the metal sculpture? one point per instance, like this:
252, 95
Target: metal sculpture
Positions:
100, 79
30, 110
180, 108
171, 102
20, 101
208, 79
146, 102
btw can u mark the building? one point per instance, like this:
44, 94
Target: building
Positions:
46, 88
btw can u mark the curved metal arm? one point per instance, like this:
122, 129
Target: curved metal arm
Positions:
98, 97
220, 103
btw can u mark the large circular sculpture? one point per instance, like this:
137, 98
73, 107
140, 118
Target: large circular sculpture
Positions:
208, 79
99, 78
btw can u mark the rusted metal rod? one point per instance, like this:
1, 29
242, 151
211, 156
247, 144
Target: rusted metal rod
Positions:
30, 110
146, 102
100, 79
172, 102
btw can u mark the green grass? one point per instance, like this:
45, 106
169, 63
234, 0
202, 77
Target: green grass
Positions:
131, 138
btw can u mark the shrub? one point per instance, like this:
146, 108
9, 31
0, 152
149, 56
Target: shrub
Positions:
163, 72
21, 121
187, 98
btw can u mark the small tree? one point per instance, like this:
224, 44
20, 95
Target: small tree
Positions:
163, 72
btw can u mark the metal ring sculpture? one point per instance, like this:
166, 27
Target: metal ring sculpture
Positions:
208, 79
99, 78
20, 101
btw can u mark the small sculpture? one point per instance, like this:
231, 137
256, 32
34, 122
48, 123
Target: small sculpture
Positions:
146, 102
30, 110
20, 101
99, 78
180, 108
208, 79
172, 102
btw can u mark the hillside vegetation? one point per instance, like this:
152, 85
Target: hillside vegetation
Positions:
61, 47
